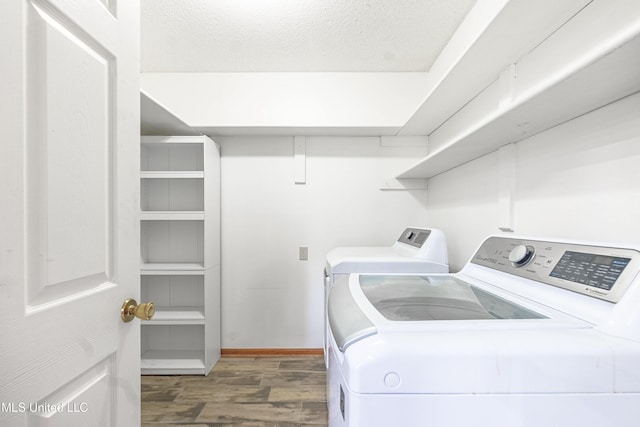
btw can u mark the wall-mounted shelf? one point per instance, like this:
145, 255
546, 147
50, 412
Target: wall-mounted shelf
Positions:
542, 94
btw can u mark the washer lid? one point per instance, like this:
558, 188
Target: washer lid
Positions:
347, 322
419, 298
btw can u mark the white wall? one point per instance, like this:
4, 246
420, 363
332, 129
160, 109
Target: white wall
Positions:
579, 180
270, 299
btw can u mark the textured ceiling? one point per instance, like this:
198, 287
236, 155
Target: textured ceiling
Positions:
296, 35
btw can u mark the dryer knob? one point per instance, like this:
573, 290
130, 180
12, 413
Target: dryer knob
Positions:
521, 255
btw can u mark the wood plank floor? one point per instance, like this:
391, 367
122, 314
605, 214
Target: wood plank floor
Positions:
257, 392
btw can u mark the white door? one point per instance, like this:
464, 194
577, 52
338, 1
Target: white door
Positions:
69, 231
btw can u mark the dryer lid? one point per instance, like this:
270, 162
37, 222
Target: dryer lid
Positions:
421, 298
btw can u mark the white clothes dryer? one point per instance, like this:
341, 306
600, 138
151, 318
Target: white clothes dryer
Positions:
530, 332
417, 250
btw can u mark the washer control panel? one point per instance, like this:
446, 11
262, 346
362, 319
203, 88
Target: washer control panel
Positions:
598, 271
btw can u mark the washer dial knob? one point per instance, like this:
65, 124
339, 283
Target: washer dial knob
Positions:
521, 255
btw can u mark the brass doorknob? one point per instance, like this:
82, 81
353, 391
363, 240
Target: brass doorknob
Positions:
130, 309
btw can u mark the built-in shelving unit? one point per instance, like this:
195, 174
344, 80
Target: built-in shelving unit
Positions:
180, 253
558, 81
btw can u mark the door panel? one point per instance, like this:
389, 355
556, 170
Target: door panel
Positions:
69, 405
69, 222
70, 176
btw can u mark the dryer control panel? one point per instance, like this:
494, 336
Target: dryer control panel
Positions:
598, 271
414, 236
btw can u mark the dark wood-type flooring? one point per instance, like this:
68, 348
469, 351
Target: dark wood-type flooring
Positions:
257, 392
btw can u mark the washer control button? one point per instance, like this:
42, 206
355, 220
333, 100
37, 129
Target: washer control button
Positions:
392, 380
521, 255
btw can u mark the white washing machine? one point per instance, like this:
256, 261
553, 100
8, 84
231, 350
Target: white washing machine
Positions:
417, 250
529, 333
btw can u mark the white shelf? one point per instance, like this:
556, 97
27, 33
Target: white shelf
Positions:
171, 174
161, 269
170, 139
177, 316
172, 215
540, 101
173, 362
